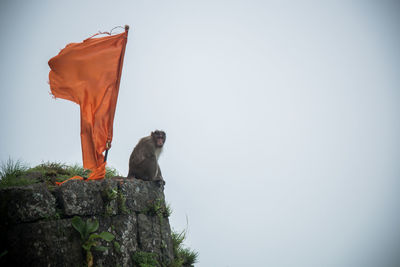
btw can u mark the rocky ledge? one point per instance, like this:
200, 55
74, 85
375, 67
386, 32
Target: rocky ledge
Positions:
36, 222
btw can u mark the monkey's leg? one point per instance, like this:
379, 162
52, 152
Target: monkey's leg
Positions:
140, 171
159, 177
146, 170
131, 172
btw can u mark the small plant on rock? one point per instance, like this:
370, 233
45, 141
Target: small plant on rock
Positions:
158, 207
112, 193
111, 172
89, 238
12, 174
109, 195
145, 259
122, 204
183, 256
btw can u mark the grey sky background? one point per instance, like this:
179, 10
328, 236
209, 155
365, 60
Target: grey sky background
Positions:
282, 118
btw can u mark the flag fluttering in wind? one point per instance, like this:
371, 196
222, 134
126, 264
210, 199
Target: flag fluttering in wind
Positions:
89, 74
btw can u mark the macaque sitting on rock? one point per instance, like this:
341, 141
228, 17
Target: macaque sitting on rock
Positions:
143, 162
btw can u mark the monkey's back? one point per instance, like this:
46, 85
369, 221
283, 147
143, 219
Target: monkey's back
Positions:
142, 158
142, 150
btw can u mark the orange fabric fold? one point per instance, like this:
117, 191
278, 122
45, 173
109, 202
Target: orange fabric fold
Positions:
96, 174
89, 73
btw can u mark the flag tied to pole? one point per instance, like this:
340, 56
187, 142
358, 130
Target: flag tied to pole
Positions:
89, 73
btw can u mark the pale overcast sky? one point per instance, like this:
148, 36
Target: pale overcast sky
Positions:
282, 118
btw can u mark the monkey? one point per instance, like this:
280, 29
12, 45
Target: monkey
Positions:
143, 162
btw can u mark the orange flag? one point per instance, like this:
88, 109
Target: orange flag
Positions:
89, 74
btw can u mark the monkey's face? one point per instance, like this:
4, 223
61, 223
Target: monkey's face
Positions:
159, 138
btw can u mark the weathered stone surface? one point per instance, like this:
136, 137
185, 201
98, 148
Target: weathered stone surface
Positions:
126, 235
84, 198
44, 243
34, 234
124, 228
166, 239
140, 194
26, 204
155, 236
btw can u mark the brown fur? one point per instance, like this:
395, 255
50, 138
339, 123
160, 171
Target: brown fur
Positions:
143, 162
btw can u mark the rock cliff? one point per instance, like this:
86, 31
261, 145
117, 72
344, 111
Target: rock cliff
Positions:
36, 227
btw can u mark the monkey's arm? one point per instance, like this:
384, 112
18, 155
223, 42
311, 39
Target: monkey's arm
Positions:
145, 164
142, 153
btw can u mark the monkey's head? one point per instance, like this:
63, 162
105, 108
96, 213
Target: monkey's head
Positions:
159, 138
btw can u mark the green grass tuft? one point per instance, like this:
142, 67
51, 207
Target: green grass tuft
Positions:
111, 172
183, 256
17, 173
145, 259
12, 172
12, 168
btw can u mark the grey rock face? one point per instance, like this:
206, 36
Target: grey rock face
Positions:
140, 194
155, 235
36, 229
44, 243
26, 204
83, 198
